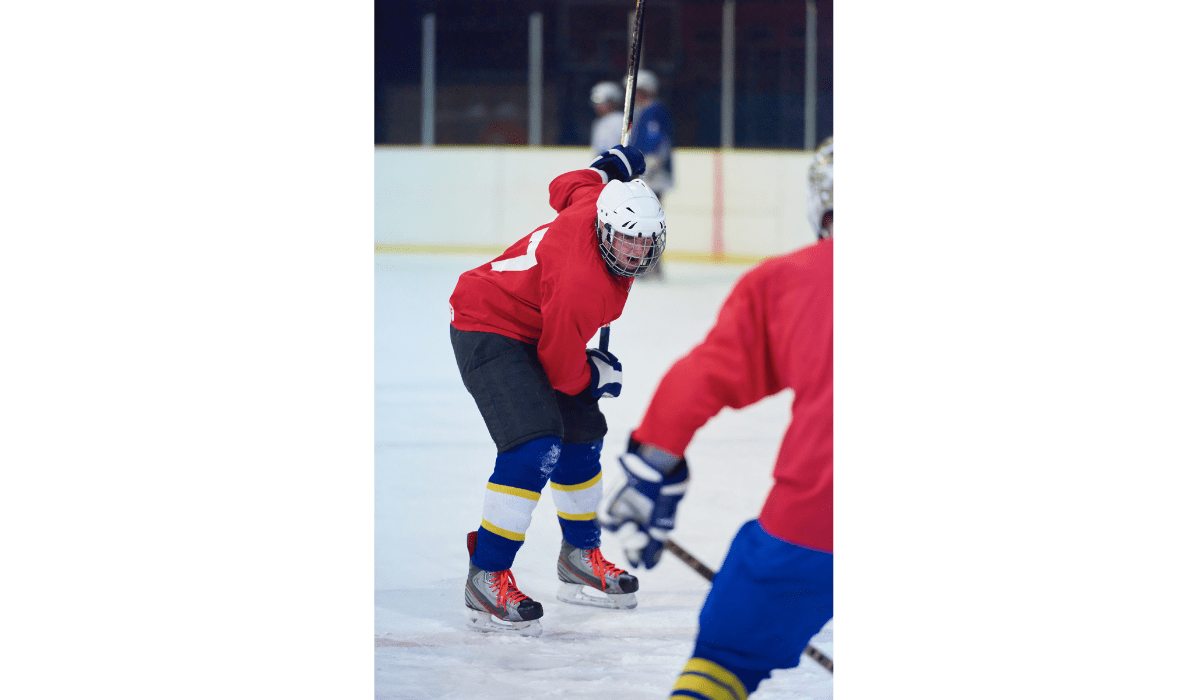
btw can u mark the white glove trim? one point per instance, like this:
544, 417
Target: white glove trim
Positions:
638, 467
619, 154
674, 489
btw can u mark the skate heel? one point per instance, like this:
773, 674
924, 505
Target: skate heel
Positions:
487, 622
579, 594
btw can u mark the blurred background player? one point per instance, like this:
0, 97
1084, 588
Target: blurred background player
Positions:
519, 326
775, 588
608, 101
653, 134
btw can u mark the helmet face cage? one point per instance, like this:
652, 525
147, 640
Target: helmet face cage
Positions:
629, 256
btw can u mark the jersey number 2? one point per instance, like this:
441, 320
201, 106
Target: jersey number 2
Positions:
522, 262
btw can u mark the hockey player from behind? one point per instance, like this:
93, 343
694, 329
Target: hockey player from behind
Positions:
775, 588
519, 326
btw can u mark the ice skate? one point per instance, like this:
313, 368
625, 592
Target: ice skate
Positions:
494, 604
587, 578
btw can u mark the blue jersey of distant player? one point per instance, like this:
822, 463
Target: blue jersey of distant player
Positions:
653, 135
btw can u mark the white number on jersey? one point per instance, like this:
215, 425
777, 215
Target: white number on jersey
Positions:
522, 262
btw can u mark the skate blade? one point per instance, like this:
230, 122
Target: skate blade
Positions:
579, 594
486, 622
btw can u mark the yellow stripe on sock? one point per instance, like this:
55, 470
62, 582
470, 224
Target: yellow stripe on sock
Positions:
506, 534
576, 516
514, 491
578, 487
704, 686
711, 679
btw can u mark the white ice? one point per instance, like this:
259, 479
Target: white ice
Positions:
433, 457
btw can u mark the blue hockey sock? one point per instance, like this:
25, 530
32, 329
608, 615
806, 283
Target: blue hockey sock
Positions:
512, 493
576, 487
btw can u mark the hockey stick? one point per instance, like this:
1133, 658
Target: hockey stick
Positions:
635, 58
708, 573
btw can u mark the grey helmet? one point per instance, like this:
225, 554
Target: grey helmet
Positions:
820, 187
631, 228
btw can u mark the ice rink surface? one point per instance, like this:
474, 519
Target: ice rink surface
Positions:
433, 457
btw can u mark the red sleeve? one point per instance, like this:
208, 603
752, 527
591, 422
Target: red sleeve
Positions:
570, 187
732, 367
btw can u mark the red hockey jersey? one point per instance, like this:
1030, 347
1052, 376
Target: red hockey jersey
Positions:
551, 287
775, 331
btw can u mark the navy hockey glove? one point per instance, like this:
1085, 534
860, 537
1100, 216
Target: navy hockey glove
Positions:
620, 163
640, 505
606, 373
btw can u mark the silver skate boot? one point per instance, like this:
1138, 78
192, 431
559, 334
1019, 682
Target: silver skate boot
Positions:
494, 604
587, 578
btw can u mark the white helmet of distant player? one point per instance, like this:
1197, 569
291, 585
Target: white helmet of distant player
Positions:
631, 228
820, 188
646, 80
607, 92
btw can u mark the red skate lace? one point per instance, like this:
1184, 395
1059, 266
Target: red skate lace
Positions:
601, 566
505, 586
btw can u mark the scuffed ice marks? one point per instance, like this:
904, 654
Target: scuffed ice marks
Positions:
550, 460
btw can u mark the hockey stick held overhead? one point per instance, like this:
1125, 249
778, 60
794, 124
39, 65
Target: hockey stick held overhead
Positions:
635, 58
708, 574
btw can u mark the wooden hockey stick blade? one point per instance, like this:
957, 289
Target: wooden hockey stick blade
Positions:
708, 573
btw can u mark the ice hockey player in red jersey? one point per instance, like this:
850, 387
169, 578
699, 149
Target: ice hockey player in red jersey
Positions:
775, 588
519, 326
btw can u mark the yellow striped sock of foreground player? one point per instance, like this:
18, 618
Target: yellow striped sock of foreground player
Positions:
702, 679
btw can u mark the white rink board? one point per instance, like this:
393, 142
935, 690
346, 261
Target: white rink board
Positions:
462, 196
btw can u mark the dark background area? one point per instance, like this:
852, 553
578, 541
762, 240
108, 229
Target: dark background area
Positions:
482, 51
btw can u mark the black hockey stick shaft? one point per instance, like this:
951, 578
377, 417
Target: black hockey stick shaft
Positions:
688, 559
708, 573
635, 58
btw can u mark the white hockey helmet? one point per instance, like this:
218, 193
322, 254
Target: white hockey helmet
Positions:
646, 80
820, 187
607, 91
631, 228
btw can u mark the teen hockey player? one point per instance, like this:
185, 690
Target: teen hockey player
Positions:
519, 326
775, 588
